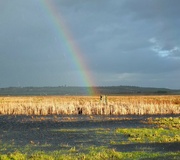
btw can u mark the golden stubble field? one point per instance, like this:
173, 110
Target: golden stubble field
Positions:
90, 105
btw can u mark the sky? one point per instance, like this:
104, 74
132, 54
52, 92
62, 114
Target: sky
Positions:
121, 42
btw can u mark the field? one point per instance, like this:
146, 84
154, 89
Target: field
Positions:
57, 127
89, 105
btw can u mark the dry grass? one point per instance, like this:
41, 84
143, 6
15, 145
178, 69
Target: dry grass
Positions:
116, 105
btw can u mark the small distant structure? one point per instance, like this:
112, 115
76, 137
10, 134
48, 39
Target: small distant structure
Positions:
79, 110
103, 99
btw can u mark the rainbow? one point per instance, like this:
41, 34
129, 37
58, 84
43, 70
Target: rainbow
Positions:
73, 49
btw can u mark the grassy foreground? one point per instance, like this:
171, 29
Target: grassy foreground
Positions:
165, 130
92, 153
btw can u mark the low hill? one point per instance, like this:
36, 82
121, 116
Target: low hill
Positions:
108, 90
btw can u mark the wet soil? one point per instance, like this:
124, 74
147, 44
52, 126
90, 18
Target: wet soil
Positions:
49, 133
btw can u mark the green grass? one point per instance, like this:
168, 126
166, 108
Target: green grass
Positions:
147, 135
92, 153
80, 130
166, 130
170, 123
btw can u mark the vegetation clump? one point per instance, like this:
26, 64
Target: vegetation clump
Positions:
170, 123
93, 153
148, 135
167, 130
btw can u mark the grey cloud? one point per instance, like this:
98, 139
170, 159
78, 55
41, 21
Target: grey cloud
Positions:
141, 79
164, 9
123, 42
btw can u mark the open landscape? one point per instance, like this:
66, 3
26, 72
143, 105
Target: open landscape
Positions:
89, 80
87, 127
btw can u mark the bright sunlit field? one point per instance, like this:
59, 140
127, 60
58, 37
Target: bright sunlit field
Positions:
89, 105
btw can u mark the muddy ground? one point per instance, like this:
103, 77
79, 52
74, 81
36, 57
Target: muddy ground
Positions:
49, 133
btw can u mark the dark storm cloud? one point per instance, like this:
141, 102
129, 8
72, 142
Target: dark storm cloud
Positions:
130, 43
124, 42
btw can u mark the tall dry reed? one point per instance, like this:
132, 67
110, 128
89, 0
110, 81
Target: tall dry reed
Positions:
88, 105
